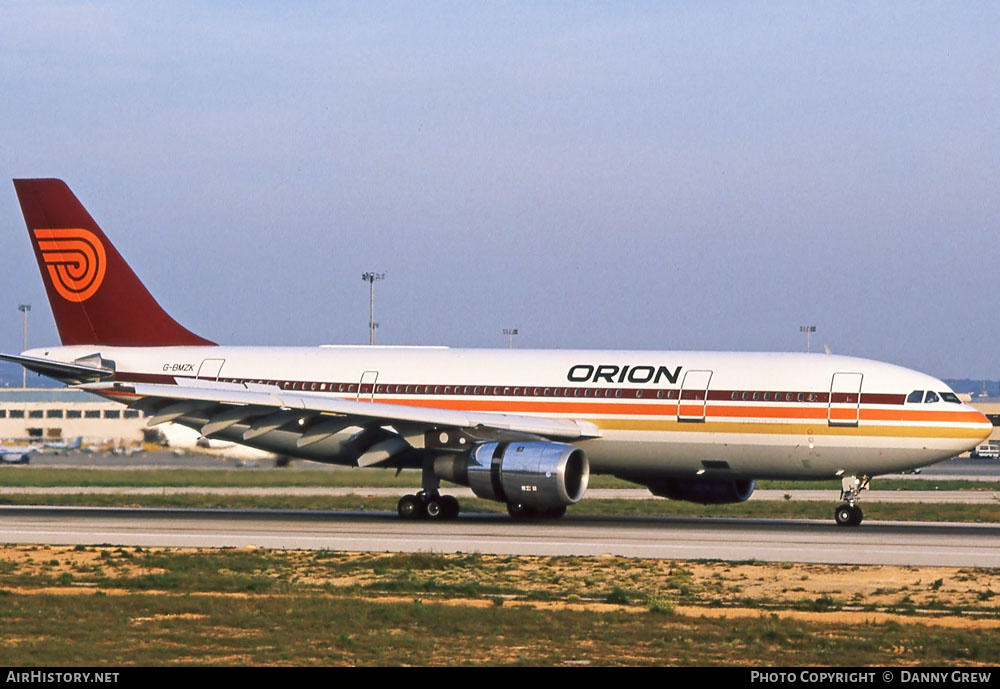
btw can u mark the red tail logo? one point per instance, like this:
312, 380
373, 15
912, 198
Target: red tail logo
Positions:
75, 260
95, 297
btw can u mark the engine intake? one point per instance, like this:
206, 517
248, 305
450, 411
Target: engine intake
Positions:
532, 473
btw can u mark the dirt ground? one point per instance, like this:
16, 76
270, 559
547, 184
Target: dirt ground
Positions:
937, 596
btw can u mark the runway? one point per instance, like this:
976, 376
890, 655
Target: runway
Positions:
889, 543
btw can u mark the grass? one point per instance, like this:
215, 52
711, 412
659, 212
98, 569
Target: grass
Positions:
135, 606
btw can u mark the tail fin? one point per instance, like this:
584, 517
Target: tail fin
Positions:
94, 295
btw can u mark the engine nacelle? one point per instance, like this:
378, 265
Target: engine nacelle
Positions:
706, 491
532, 473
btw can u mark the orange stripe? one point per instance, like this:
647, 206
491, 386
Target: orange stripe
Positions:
844, 414
899, 415
751, 413
817, 413
785, 429
540, 407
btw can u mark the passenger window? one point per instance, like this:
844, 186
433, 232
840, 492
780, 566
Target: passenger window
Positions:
915, 397
931, 397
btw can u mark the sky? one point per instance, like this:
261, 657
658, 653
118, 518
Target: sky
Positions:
625, 175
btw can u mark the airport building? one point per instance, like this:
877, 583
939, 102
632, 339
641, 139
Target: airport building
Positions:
991, 408
31, 415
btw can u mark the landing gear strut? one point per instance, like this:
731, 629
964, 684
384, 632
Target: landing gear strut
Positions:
848, 513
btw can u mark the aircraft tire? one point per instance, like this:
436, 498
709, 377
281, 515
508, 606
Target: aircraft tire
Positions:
848, 515
518, 510
451, 506
436, 509
411, 507
554, 512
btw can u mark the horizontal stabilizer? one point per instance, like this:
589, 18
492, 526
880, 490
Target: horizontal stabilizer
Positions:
68, 373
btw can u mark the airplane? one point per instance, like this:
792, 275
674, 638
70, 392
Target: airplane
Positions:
521, 427
16, 454
55, 448
183, 439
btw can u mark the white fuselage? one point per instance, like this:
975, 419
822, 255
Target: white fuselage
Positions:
752, 415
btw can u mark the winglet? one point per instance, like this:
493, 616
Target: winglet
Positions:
94, 295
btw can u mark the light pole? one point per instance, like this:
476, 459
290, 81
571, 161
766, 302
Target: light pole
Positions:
808, 330
24, 308
510, 333
370, 278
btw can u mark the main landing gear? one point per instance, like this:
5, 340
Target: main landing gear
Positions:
848, 513
520, 511
428, 505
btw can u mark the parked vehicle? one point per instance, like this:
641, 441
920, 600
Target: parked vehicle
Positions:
986, 452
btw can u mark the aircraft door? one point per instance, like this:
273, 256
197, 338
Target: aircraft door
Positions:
845, 399
210, 369
366, 390
694, 396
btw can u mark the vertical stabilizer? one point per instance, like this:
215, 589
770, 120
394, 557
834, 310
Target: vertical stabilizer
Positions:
94, 295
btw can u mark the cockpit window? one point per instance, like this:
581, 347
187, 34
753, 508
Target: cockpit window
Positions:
931, 396
915, 397
950, 397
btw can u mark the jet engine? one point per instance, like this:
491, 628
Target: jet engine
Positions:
536, 474
705, 491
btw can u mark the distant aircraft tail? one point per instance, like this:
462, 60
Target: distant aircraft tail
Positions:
94, 295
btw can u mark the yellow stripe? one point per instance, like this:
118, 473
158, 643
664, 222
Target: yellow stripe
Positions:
786, 429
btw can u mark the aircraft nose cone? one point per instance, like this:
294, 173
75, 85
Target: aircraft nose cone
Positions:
978, 421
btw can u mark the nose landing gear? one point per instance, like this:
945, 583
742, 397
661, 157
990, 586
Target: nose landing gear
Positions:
848, 513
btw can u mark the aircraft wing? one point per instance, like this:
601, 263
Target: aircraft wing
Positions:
317, 417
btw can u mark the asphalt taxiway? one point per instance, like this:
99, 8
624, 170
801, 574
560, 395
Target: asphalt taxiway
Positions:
890, 543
